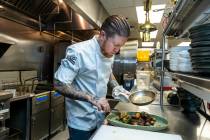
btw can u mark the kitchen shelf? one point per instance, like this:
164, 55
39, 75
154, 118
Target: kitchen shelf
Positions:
187, 13
197, 85
159, 51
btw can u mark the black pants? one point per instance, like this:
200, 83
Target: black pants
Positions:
75, 134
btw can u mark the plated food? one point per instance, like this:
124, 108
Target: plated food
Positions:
137, 120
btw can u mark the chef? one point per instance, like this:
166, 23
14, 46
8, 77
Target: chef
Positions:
83, 76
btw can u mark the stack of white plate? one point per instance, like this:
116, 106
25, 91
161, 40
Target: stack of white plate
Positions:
180, 59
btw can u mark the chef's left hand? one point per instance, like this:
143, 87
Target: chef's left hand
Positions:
105, 122
121, 94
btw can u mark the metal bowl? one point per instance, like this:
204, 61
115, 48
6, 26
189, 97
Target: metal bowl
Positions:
142, 97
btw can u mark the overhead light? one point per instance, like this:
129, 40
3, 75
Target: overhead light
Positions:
1, 7
155, 17
184, 44
146, 36
147, 44
174, 2
60, 1
150, 49
153, 34
158, 45
147, 27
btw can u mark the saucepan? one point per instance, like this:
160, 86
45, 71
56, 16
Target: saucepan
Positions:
142, 97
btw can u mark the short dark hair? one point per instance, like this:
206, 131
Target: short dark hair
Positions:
116, 24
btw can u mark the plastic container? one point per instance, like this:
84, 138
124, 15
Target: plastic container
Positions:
143, 55
143, 80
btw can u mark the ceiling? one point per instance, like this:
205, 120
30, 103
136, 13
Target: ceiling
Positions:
127, 8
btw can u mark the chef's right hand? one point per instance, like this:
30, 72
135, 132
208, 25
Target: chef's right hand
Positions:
101, 104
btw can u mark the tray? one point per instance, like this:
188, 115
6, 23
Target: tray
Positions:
200, 38
198, 34
200, 54
200, 44
160, 124
207, 60
199, 49
201, 58
199, 28
202, 70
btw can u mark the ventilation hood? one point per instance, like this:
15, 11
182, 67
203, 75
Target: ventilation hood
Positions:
3, 48
44, 15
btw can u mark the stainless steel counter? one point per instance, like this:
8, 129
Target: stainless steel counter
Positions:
189, 126
21, 97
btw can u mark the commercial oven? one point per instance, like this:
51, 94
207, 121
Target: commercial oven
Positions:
40, 116
4, 114
57, 113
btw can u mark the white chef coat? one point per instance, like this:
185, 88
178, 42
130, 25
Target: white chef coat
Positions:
89, 70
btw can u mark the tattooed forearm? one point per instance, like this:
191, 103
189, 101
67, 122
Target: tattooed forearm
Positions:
112, 81
69, 91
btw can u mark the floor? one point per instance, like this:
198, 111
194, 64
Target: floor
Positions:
62, 135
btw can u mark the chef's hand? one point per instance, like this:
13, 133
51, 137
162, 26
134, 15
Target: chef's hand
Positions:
105, 122
101, 104
121, 94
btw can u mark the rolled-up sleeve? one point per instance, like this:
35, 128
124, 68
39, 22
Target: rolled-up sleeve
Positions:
69, 67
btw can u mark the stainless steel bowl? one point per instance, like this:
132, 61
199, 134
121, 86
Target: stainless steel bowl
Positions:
142, 97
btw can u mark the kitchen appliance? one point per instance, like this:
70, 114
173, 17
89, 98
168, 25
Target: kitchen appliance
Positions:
125, 61
189, 102
128, 81
57, 112
4, 113
40, 116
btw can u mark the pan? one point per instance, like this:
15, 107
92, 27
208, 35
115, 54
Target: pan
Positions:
142, 97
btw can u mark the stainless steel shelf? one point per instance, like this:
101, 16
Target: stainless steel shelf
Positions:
186, 14
197, 85
160, 51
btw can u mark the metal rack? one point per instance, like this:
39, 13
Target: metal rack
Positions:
186, 14
199, 86
157, 54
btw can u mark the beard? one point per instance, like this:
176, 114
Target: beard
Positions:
108, 55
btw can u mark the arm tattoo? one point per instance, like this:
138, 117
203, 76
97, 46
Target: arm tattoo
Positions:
112, 81
70, 91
